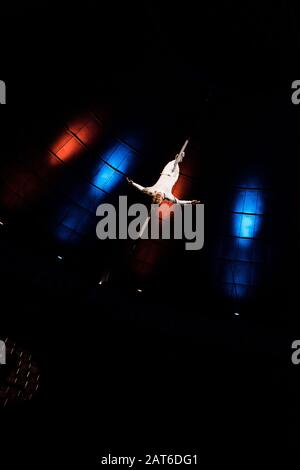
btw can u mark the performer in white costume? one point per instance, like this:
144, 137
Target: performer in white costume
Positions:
162, 189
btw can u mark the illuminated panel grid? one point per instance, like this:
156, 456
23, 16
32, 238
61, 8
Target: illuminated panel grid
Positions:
244, 246
32, 175
20, 380
105, 177
75, 138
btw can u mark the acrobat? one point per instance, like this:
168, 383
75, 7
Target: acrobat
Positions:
162, 189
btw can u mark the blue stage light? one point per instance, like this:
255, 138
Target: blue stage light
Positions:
242, 250
78, 216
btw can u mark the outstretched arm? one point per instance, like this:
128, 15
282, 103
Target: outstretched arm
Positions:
182, 202
174, 199
136, 185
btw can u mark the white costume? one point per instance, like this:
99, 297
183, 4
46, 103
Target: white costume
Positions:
165, 183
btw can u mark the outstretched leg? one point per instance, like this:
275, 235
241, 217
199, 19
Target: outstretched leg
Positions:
181, 154
179, 157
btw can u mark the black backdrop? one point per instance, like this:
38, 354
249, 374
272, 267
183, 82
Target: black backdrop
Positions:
173, 369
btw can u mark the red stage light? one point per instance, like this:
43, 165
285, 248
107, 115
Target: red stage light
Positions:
79, 135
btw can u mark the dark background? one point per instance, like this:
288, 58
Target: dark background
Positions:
172, 369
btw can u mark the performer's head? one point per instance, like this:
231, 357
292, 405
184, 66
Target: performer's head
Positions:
157, 198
